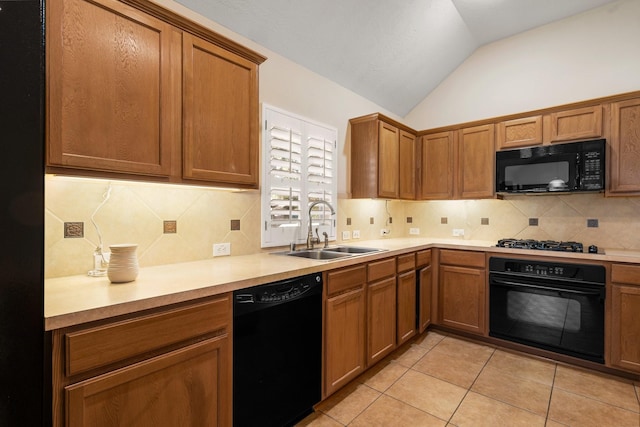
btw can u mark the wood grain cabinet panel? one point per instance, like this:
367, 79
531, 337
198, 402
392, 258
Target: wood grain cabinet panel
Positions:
425, 280
462, 291
383, 158
186, 386
220, 124
381, 319
522, 132
113, 99
345, 323
476, 170
624, 154
406, 323
624, 327
576, 124
436, 159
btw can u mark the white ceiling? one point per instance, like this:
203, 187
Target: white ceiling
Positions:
393, 53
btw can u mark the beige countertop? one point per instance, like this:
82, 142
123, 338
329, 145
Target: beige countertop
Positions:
77, 299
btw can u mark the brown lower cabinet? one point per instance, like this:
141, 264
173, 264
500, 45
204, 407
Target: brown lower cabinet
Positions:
381, 309
625, 327
168, 367
425, 290
406, 327
462, 290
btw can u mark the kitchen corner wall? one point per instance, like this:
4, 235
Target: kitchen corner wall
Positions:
135, 213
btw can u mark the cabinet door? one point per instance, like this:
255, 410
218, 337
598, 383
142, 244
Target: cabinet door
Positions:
576, 124
436, 166
476, 162
462, 298
381, 319
388, 159
519, 133
625, 147
193, 383
625, 328
406, 327
424, 311
344, 339
407, 165
220, 122
113, 88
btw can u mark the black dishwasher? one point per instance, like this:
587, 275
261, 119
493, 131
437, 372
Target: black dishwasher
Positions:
277, 352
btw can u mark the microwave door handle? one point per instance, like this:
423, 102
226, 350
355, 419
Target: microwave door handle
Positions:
509, 283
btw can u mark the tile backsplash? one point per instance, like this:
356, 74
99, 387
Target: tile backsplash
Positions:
139, 212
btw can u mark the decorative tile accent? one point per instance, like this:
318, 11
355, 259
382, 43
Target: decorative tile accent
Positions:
348, 221
170, 227
484, 221
73, 230
444, 220
371, 220
235, 224
409, 219
592, 223
533, 222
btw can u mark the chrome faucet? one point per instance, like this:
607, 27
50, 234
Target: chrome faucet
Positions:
310, 239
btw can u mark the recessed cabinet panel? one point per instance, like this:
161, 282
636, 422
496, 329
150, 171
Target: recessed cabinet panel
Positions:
476, 166
388, 158
113, 104
576, 124
407, 167
220, 134
522, 132
437, 152
625, 148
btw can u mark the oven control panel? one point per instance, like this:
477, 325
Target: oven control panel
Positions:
567, 271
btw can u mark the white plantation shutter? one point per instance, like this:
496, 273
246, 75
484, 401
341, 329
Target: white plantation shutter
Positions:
298, 168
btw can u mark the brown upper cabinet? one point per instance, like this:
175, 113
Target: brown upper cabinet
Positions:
476, 168
515, 133
437, 154
624, 154
581, 123
118, 76
383, 158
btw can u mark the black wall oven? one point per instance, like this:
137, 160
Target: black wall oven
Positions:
549, 305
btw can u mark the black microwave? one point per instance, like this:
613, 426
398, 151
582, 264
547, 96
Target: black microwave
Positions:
572, 167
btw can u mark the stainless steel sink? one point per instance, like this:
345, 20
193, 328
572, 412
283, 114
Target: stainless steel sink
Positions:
316, 254
352, 250
326, 254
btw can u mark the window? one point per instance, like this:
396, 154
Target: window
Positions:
299, 168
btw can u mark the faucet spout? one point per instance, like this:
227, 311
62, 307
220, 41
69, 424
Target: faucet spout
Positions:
310, 239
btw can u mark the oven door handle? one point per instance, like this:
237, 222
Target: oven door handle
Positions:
546, 288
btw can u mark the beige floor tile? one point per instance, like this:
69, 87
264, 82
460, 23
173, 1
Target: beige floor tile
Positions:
471, 351
579, 411
457, 368
408, 355
606, 389
516, 391
383, 375
523, 366
318, 419
479, 411
429, 339
349, 402
389, 412
551, 423
437, 397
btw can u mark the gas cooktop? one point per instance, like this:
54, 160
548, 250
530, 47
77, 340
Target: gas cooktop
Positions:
543, 245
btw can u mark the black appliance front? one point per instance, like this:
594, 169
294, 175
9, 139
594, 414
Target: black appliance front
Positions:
277, 352
571, 167
553, 306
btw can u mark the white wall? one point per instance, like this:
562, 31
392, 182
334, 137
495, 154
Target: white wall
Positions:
290, 86
591, 55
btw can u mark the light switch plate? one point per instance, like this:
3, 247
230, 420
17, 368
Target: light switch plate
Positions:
356, 234
346, 235
221, 249
457, 232
414, 230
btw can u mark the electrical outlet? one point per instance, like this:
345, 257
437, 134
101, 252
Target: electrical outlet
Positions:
346, 235
457, 232
356, 234
384, 231
221, 249
414, 230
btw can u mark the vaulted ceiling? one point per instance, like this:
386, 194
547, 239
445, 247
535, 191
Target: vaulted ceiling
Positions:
393, 53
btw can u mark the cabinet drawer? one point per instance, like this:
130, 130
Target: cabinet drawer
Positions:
623, 273
380, 269
464, 258
423, 258
345, 278
406, 263
103, 345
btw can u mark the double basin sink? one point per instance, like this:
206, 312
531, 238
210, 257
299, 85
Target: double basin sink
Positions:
330, 253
